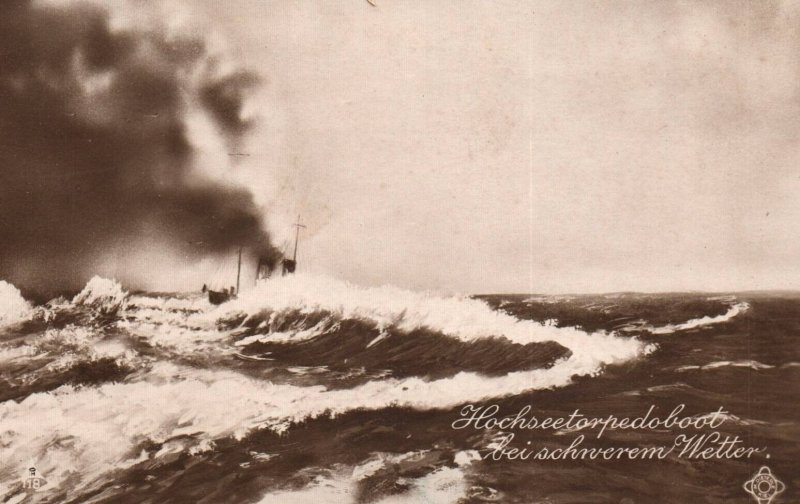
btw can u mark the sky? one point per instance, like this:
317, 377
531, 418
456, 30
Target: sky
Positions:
513, 146
505, 146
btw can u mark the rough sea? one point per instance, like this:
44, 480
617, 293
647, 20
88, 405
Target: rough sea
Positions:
308, 389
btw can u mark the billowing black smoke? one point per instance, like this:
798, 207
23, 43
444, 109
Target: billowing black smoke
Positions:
94, 152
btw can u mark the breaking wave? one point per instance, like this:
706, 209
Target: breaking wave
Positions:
169, 370
102, 294
750, 364
445, 485
732, 312
13, 306
462, 318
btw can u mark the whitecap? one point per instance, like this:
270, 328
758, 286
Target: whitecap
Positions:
13, 307
752, 364
732, 312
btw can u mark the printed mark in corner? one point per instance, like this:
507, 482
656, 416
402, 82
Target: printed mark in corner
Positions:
764, 486
33, 482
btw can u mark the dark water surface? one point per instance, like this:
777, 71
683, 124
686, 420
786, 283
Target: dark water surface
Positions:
155, 398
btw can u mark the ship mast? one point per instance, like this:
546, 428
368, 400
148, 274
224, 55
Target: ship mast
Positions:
296, 237
239, 270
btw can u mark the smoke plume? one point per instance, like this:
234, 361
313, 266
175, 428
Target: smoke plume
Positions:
95, 154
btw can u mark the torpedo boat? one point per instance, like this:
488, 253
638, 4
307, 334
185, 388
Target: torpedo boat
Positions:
263, 271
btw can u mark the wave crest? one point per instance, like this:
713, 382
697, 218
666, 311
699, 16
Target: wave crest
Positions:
459, 317
13, 307
163, 403
104, 295
733, 311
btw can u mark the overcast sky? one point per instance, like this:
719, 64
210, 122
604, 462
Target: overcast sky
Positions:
498, 146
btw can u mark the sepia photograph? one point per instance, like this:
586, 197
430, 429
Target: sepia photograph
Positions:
399, 251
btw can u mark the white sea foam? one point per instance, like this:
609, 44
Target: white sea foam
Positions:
339, 490
10, 353
176, 337
445, 485
168, 323
296, 301
324, 326
462, 318
754, 365
379, 461
185, 303
13, 306
732, 312
467, 457
553, 299
105, 295
165, 401
74, 424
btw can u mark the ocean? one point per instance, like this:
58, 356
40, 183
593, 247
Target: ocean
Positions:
309, 389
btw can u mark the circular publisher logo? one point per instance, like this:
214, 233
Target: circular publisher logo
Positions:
764, 486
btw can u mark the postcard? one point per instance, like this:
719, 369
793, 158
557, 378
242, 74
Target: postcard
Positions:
399, 251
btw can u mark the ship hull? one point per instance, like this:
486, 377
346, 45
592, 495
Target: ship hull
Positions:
218, 298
